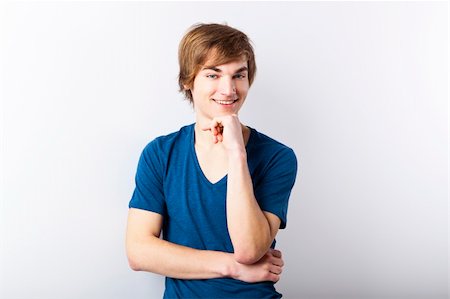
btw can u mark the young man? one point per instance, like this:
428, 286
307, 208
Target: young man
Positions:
217, 189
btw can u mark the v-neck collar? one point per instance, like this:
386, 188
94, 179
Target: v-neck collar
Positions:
223, 180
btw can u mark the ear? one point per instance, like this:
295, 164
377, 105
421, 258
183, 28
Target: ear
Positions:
185, 87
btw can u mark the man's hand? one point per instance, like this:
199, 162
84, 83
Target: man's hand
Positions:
228, 130
268, 268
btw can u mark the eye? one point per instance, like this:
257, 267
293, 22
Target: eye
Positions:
212, 76
239, 76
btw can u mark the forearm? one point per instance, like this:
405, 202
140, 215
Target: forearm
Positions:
155, 255
247, 225
176, 261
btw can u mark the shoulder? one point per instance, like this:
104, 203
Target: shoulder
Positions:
164, 143
160, 149
261, 144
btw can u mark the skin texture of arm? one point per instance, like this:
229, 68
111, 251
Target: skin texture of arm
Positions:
147, 252
251, 230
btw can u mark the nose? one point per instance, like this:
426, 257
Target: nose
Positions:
227, 86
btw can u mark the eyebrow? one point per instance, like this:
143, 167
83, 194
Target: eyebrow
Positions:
216, 69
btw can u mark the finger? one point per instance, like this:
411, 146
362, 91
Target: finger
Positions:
277, 261
276, 270
214, 123
273, 277
208, 127
219, 127
217, 123
212, 129
276, 258
276, 253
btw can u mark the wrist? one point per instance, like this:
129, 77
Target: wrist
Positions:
236, 155
229, 269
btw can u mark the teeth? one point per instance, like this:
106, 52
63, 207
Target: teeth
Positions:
224, 102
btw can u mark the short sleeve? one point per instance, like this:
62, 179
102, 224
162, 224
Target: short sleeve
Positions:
148, 193
274, 188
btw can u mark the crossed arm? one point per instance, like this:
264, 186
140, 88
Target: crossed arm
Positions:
251, 230
147, 252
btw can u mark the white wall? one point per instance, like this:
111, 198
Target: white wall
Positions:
358, 89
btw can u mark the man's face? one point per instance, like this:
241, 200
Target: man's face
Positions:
220, 89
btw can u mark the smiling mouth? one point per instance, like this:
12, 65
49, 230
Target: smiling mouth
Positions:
228, 102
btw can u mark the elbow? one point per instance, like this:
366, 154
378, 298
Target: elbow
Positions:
247, 257
133, 260
134, 265
139, 255
249, 253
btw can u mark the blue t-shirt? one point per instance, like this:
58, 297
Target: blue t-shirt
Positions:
169, 181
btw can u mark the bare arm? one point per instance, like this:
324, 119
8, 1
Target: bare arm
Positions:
147, 252
251, 230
